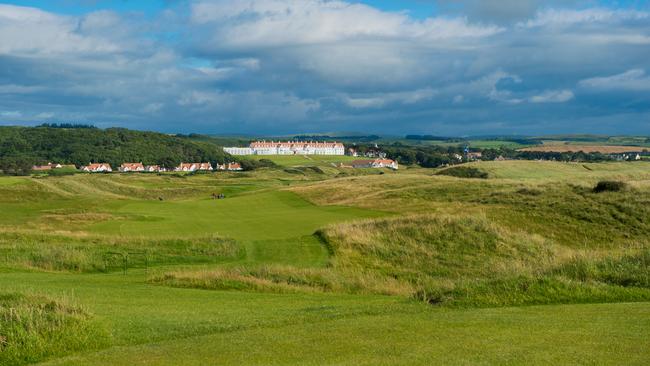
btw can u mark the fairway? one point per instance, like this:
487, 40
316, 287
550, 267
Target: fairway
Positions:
263, 216
307, 160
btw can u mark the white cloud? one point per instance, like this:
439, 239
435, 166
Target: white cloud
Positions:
274, 23
32, 32
381, 100
153, 108
631, 80
45, 115
11, 114
553, 96
565, 17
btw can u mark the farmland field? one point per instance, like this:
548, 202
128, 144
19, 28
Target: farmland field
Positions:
604, 149
328, 266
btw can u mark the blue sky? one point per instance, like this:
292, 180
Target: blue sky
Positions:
454, 67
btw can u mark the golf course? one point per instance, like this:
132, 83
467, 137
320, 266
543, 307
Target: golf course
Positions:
313, 264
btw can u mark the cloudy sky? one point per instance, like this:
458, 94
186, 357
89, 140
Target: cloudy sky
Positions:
465, 67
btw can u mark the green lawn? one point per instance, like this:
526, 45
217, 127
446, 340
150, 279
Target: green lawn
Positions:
579, 172
264, 216
154, 325
8, 181
307, 160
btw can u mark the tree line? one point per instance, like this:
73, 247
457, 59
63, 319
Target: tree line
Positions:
22, 147
437, 156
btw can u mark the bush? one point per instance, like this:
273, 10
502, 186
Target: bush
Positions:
609, 186
464, 172
252, 164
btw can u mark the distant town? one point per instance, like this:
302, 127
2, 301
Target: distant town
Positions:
259, 148
139, 167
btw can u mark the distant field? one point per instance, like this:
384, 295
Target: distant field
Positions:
576, 172
605, 149
480, 144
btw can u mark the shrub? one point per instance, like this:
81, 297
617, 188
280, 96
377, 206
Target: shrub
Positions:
609, 186
464, 172
252, 164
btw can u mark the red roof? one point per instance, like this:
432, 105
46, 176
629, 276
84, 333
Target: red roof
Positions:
197, 166
96, 166
373, 161
132, 166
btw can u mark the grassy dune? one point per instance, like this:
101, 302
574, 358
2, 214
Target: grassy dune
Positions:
489, 242
325, 266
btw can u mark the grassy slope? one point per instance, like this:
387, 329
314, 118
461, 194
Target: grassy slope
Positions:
154, 325
306, 160
271, 225
163, 325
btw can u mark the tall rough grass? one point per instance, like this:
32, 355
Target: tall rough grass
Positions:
33, 328
98, 254
448, 260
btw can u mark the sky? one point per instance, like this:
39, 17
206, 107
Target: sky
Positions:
442, 67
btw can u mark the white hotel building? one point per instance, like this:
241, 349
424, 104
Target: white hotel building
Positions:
288, 148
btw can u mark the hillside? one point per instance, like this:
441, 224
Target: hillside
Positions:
79, 146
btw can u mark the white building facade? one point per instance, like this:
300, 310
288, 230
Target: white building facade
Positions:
288, 148
238, 150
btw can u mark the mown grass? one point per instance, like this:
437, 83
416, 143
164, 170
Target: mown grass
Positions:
306, 160
602, 334
34, 327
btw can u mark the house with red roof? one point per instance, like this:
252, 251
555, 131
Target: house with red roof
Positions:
375, 163
131, 167
154, 169
230, 167
49, 166
193, 167
97, 168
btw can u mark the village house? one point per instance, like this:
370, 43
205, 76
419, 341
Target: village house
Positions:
49, 166
230, 167
288, 148
375, 163
97, 168
474, 155
154, 169
193, 167
131, 167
